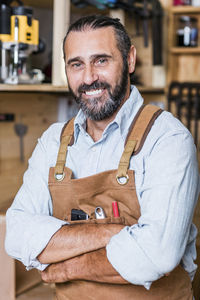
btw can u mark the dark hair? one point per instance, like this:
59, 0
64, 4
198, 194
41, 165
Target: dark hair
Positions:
98, 21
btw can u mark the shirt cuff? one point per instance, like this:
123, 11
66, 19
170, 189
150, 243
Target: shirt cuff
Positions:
39, 239
129, 259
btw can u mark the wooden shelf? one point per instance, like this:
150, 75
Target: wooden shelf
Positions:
185, 50
185, 9
39, 3
42, 88
48, 88
151, 90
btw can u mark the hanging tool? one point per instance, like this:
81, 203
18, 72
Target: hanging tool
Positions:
157, 27
100, 4
144, 11
21, 130
145, 16
186, 96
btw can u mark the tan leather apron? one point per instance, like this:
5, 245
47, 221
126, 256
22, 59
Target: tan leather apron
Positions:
100, 190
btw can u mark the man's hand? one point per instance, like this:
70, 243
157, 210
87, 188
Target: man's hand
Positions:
73, 240
93, 266
55, 273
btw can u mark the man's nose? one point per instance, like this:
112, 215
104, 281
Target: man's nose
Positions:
90, 75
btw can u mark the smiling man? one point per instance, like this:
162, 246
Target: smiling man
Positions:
105, 210
98, 72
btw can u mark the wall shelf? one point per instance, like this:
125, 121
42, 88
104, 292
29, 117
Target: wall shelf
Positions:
46, 88
187, 9
39, 3
43, 88
184, 50
151, 90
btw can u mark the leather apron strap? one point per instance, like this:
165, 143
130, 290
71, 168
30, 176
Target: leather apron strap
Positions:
66, 137
138, 132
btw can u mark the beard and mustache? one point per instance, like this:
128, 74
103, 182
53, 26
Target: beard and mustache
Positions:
100, 108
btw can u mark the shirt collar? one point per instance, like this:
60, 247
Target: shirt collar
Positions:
123, 118
128, 111
79, 122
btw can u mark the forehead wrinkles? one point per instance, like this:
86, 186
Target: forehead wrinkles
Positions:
79, 42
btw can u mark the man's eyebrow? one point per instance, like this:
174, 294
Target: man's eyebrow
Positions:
100, 55
92, 57
71, 60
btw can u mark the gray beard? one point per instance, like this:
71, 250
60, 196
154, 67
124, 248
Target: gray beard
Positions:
105, 111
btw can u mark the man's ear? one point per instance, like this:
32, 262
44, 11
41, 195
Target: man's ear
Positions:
131, 59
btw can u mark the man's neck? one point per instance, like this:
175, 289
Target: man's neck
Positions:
96, 128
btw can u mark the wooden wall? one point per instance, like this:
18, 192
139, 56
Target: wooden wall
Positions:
37, 111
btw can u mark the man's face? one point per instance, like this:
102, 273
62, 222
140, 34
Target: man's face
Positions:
97, 76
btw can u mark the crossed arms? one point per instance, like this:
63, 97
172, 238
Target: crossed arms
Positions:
77, 252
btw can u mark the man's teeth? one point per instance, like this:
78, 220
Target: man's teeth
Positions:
94, 92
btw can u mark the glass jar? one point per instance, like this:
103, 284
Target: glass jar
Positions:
187, 33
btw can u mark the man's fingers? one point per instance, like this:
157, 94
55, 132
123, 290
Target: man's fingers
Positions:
44, 276
54, 273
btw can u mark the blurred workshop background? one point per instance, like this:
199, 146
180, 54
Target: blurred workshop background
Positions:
34, 92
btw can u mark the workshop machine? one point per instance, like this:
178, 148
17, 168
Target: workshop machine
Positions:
19, 37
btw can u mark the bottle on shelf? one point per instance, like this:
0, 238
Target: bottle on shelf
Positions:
187, 33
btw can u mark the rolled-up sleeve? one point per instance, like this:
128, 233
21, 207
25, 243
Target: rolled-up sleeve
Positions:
144, 252
30, 223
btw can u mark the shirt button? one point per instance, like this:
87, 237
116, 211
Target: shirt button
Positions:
93, 150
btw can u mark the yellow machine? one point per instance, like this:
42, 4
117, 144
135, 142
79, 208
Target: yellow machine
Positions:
27, 34
19, 37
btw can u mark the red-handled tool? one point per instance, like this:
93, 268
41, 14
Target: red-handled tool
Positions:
115, 209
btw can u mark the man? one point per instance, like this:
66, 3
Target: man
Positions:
140, 176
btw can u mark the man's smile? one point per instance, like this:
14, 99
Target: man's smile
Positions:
94, 92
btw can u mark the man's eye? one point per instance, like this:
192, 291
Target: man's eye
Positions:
102, 61
76, 65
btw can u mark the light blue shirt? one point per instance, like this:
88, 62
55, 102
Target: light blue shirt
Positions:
166, 176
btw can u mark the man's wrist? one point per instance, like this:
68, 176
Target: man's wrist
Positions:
73, 267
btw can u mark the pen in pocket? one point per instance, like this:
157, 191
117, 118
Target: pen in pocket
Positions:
115, 209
